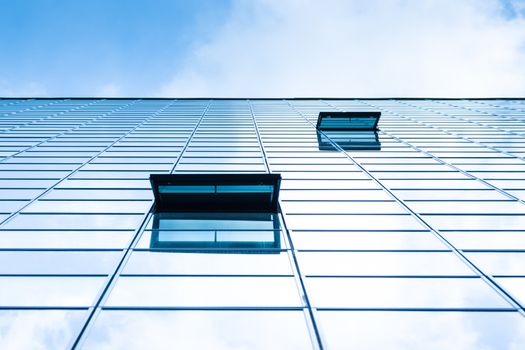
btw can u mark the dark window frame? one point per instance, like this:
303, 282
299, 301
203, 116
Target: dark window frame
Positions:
356, 115
216, 201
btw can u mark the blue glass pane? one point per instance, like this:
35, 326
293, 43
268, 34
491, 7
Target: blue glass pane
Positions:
348, 123
247, 189
186, 189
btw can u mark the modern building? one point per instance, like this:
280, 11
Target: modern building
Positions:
411, 237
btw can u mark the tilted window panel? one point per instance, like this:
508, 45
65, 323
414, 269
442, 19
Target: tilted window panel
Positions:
216, 192
346, 121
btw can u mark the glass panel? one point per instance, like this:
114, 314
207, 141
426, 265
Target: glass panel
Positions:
515, 286
19, 194
348, 140
311, 240
379, 293
39, 329
422, 330
131, 207
487, 240
64, 239
335, 195
506, 263
470, 207
58, 262
242, 189
327, 207
11, 206
205, 292
476, 222
213, 221
257, 242
156, 263
450, 195
49, 291
347, 120
186, 189
382, 264
97, 194
72, 222
353, 222
434, 184
296, 184
199, 330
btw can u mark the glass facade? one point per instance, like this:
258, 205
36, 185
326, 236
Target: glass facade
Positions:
411, 237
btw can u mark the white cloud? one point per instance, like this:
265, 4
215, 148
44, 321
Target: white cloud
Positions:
435, 48
30, 89
108, 90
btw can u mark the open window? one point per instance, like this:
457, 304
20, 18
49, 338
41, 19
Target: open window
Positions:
349, 140
349, 130
348, 121
216, 192
225, 213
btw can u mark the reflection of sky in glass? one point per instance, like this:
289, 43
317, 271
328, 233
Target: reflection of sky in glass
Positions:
379, 232
215, 231
400, 293
422, 330
39, 329
199, 330
348, 140
49, 291
209, 263
205, 292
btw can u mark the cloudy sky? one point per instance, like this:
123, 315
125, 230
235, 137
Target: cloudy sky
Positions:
262, 48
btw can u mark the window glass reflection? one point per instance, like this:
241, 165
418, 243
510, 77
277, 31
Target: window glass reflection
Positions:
39, 329
382, 263
401, 293
348, 140
161, 292
208, 263
215, 231
49, 291
35, 239
185, 329
422, 330
57, 262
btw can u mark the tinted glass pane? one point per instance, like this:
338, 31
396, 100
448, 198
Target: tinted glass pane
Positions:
382, 264
200, 330
223, 263
49, 291
448, 293
20, 239
422, 330
205, 291
366, 240
58, 262
39, 329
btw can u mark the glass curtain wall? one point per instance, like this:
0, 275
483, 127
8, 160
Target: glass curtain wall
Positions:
416, 242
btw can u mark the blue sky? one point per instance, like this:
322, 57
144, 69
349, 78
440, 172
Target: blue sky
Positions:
257, 48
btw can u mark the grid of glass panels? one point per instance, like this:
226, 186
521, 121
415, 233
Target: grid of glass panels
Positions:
422, 241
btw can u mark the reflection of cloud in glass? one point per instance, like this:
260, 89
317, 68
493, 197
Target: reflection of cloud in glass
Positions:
204, 291
403, 293
39, 329
501, 263
258, 232
30, 291
423, 330
348, 140
199, 330
64, 239
382, 264
514, 285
